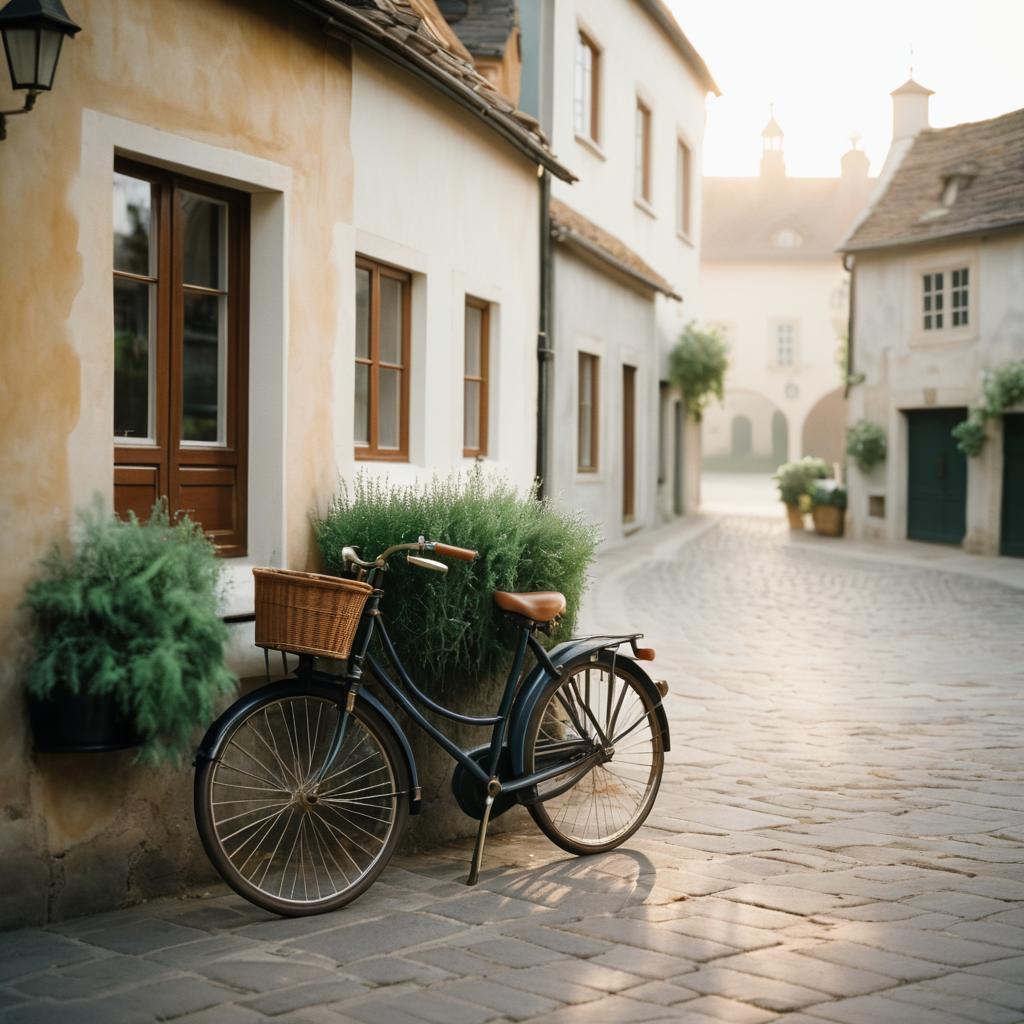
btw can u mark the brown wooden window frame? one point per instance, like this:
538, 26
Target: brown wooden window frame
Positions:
644, 119
483, 379
685, 171
372, 451
165, 462
592, 131
588, 414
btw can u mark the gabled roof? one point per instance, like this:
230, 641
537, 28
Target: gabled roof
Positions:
574, 229
988, 157
677, 37
743, 217
483, 26
414, 35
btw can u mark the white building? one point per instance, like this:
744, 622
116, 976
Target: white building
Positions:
938, 286
620, 93
774, 286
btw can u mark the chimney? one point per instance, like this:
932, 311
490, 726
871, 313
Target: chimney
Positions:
909, 110
854, 162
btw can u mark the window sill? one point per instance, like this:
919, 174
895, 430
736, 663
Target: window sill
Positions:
947, 336
588, 143
643, 204
589, 476
362, 455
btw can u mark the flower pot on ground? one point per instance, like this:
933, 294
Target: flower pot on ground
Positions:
128, 644
794, 480
828, 507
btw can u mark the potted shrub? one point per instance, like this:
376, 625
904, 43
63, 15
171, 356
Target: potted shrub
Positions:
794, 480
828, 507
866, 445
127, 639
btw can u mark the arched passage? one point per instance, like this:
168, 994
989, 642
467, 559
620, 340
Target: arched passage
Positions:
747, 433
824, 430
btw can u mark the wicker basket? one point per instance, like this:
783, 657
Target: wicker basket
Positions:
306, 613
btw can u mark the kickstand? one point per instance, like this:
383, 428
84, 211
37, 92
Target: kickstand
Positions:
481, 836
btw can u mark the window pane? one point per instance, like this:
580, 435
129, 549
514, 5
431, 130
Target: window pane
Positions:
391, 320
134, 236
474, 324
204, 235
134, 306
362, 314
362, 404
389, 383
203, 367
471, 415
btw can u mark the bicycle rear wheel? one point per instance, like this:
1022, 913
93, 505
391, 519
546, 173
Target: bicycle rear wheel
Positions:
604, 808
276, 837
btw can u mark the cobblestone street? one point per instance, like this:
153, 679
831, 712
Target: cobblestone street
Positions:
839, 836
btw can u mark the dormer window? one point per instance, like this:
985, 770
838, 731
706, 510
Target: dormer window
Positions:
787, 238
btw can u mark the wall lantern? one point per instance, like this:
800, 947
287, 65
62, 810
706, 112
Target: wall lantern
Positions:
33, 31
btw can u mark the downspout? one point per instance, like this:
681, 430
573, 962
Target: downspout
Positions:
545, 351
849, 263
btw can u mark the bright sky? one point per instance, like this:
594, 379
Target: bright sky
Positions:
829, 66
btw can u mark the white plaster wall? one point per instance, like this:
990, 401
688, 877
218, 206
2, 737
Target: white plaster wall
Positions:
748, 298
595, 314
440, 195
905, 371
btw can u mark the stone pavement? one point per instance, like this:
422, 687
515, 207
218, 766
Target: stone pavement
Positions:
839, 837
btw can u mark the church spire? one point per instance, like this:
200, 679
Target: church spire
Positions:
773, 164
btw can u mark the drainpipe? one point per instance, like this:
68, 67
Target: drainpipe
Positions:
848, 265
545, 351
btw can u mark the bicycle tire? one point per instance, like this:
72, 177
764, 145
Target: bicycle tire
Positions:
618, 795
254, 802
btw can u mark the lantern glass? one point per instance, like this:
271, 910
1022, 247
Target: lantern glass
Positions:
49, 52
21, 44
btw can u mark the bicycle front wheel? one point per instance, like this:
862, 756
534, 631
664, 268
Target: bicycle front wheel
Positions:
594, 704
278, 837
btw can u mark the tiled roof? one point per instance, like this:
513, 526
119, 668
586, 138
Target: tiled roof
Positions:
677, 37
413, 34
483, 26
573, 228
988, 158
746, 218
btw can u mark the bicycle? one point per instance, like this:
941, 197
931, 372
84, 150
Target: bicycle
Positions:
304, 786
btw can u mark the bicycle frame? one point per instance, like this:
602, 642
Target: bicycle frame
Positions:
360, 659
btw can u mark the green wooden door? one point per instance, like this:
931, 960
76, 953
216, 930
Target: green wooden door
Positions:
1011, 534
936, 478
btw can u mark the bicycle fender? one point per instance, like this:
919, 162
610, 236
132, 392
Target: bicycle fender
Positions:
539, 677
212, 742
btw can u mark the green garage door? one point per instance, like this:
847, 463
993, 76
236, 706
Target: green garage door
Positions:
936, 477
1011, 540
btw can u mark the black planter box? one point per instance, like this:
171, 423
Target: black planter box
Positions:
69, 722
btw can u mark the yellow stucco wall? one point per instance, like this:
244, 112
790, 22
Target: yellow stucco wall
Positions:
250, 78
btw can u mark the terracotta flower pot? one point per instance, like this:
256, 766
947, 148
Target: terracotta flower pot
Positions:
828, 520
795, 516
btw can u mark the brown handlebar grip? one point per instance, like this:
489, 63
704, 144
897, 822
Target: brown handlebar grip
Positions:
452, 552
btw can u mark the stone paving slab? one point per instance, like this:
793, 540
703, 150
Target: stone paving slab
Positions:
839, 837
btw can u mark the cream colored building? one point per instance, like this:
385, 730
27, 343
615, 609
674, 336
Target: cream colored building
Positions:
774, 286
205, 222
938, 274
620, 91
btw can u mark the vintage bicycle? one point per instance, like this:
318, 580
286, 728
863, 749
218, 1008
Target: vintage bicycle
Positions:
304, 786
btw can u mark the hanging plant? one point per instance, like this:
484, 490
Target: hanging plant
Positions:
1004, 389
697, 367
866, 445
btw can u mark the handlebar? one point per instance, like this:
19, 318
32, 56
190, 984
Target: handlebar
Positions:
351, 558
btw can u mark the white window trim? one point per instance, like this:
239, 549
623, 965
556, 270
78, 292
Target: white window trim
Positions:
683, 139
593, 140
90, 462
944, 263
773, 344
589, 347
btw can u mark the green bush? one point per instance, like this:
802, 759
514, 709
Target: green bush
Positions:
132, 614
827, 492
865, 444
446, 626
794, 478
1004, 388
697, 367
